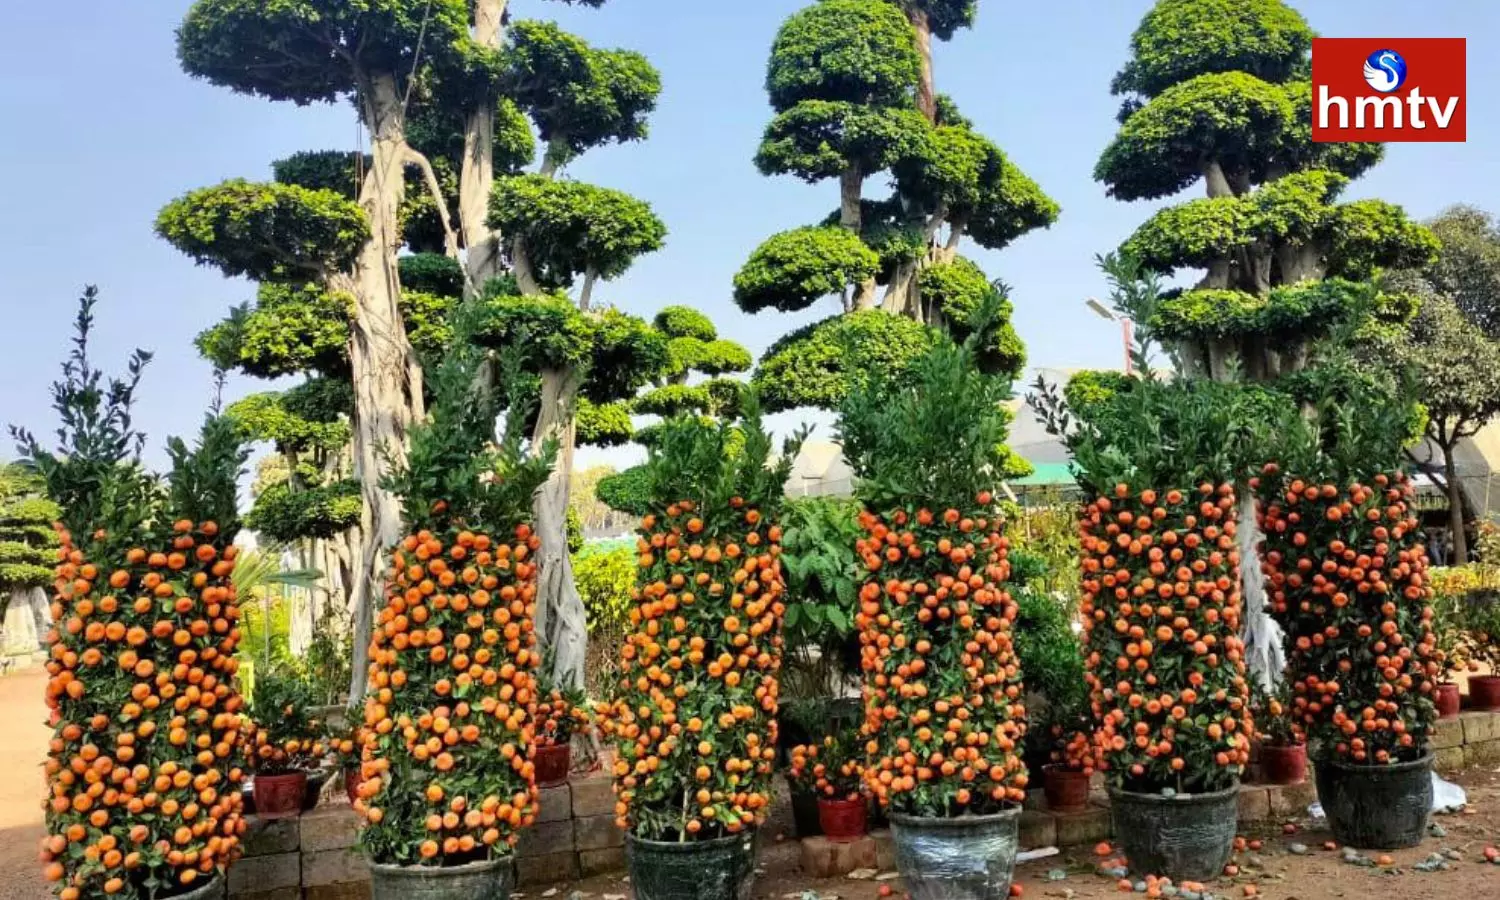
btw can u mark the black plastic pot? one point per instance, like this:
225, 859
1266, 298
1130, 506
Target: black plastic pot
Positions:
721, 869
1187, 837
1376, 807
212, 889
491, 879
967, 858
805, 814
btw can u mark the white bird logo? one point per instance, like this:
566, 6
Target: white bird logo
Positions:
1383, 71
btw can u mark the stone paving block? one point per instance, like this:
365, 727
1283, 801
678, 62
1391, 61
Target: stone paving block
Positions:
1447, 733
1292, 799
1449, 759
593, 796
332, 828
1483, 753
1035, 799
545, 840
547, 869
556, 805
885, 849
334, 867
258, 874
344, 890
1086, 827
1480, 726
597, 833
267, 837
823, 858
1038, 829
1255, 803
601, 862
292, 892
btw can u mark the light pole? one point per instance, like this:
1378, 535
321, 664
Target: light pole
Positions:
1126, 327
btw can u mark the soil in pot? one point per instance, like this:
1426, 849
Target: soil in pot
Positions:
1484, 691
491, 879
843, 821
1065, 789
1283, 764
1186, 837
1377, 807
805, 814
1448, 700
279, 796
552, 764
721, 869
967, 858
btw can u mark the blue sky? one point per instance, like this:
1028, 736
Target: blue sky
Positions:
103, 129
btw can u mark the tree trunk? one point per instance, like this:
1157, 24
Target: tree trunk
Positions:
387, 377
1264, 657
561, 619
590, 278
476, 175
851, 185
926, 87
1455, 490
1218, 184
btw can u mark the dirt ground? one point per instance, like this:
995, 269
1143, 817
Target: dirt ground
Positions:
23, 746
1272, 872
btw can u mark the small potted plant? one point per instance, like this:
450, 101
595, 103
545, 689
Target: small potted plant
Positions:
834, 772
1450, 588
346, 743
1059, 739
286, 744
1283, 753
1479, 615
559, 714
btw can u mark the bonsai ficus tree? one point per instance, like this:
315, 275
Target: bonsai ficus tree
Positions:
1218, 94
852, 87
944, 704
28, 545
142, 656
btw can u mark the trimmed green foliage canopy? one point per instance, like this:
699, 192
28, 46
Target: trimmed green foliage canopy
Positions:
812, 366
571, 228
794, 269
1181, 39
27, 541
844, 50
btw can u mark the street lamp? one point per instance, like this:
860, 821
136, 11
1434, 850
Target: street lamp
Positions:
1126, 326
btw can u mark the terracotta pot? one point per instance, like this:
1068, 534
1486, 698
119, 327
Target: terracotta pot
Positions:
353, 778
1064, 788
1283, 765
279, 796
1448, 700
1484, 691
552, 764
843, 821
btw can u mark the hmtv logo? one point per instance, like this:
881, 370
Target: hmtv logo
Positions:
1389, 89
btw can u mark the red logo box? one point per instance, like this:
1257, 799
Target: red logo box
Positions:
1428, 104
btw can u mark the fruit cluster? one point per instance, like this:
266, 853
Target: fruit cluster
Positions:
1346, 579
142, 773
558, 715
446, 776
944, 704
1072, 750
1161, 618
286, 737
833, 769
694, 722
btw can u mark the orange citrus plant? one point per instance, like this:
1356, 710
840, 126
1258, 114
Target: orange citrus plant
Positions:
142, 772
944, 704
446, 777
285, 736
833, 769
559, 714
694, 720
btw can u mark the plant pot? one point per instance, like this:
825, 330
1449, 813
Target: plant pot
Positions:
552, 763
1283, 764
1188, 837
279, 796
843, 821
489, 879
1448, 700
805, 814
721, 869
967, 858
212, 889
353, 778
1484, 691
1065, 789
315, 781
1377, 807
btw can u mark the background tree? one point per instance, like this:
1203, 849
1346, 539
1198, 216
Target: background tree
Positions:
1468, 268
27, 543
852, 87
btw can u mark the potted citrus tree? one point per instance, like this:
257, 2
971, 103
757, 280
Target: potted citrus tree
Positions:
1479, 638
1450, 588
447, 779
945, 715
1059, 737
142, 770
1282, 751
346, 743
694, 720
1161, 612
1347, 582
833, 771
286, 744
559, 714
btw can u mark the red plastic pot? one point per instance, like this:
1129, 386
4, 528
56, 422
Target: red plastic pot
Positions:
279, 796
843, 820
1448, 700
1065, 788
353, 778
552, 764
1283, 765
1484, 691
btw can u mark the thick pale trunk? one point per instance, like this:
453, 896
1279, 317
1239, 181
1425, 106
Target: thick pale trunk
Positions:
520, 268
1262, 636
926, 87
561, 619
477, 171
387, 378
1217, 182
851, 183
584, 296
1456, 524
